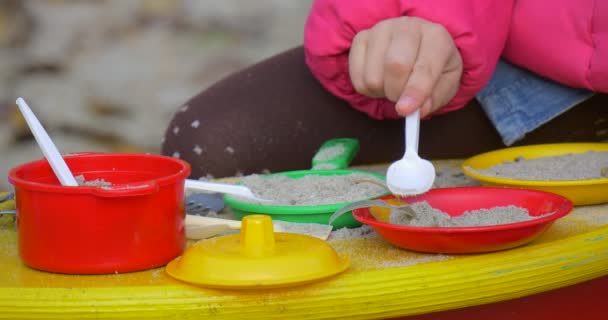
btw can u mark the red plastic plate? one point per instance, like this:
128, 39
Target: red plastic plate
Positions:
455, 201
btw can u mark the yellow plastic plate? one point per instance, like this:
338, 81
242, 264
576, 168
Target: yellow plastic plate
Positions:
580, 192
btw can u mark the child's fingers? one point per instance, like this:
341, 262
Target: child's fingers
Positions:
449, 81
377, 44
356, 61
446, 88
427, 107
400, 59
435, 50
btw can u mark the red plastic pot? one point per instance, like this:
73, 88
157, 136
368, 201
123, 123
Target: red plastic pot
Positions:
136, 223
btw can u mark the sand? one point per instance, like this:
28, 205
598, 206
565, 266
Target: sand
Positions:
92, 183
362, 232
427, 216
325, 166
314, 189
330, 153
580, 166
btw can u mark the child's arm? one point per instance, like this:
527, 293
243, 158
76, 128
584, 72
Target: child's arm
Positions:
478, 28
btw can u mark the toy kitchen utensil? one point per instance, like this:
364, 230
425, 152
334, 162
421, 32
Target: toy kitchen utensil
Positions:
96, 230
47, 146
232, 189
580, 192
142, 210
330, 160
201, 204
545, 206
411, 175
257, 258
370, 203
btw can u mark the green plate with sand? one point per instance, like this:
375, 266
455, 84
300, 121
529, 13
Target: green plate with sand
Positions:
328, 167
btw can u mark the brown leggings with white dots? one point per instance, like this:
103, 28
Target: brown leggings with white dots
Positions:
274, 115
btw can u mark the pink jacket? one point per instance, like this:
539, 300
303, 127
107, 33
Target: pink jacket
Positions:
564, 40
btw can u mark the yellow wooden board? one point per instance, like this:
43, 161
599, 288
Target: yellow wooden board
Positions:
383, 281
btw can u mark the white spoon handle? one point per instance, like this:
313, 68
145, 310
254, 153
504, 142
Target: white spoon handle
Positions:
412, 129
47, 146
232, 189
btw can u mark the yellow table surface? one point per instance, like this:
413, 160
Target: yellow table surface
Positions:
382, 282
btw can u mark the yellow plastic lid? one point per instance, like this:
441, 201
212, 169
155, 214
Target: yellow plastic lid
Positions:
257, 258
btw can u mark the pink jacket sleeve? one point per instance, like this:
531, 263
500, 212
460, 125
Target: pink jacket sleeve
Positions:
478, 27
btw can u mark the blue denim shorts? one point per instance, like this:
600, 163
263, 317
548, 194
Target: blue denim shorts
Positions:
518, 101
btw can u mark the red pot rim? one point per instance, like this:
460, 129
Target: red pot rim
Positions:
116, 190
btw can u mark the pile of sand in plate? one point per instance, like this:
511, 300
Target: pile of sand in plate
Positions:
314, 189
426, 216
578, 166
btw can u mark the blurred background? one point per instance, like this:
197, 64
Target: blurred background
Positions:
107, 75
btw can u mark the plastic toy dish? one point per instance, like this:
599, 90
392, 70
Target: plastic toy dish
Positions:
455, 201
332, 158
580, 192
257, 258
136, 223
303, 214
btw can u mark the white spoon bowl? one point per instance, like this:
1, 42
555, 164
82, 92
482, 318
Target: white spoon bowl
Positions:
411, 175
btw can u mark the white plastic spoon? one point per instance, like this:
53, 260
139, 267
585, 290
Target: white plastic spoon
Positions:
233, 189
411, 175
47, 146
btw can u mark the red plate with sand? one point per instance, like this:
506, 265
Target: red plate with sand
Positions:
455, 201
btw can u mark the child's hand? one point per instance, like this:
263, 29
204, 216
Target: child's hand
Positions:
408, 60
